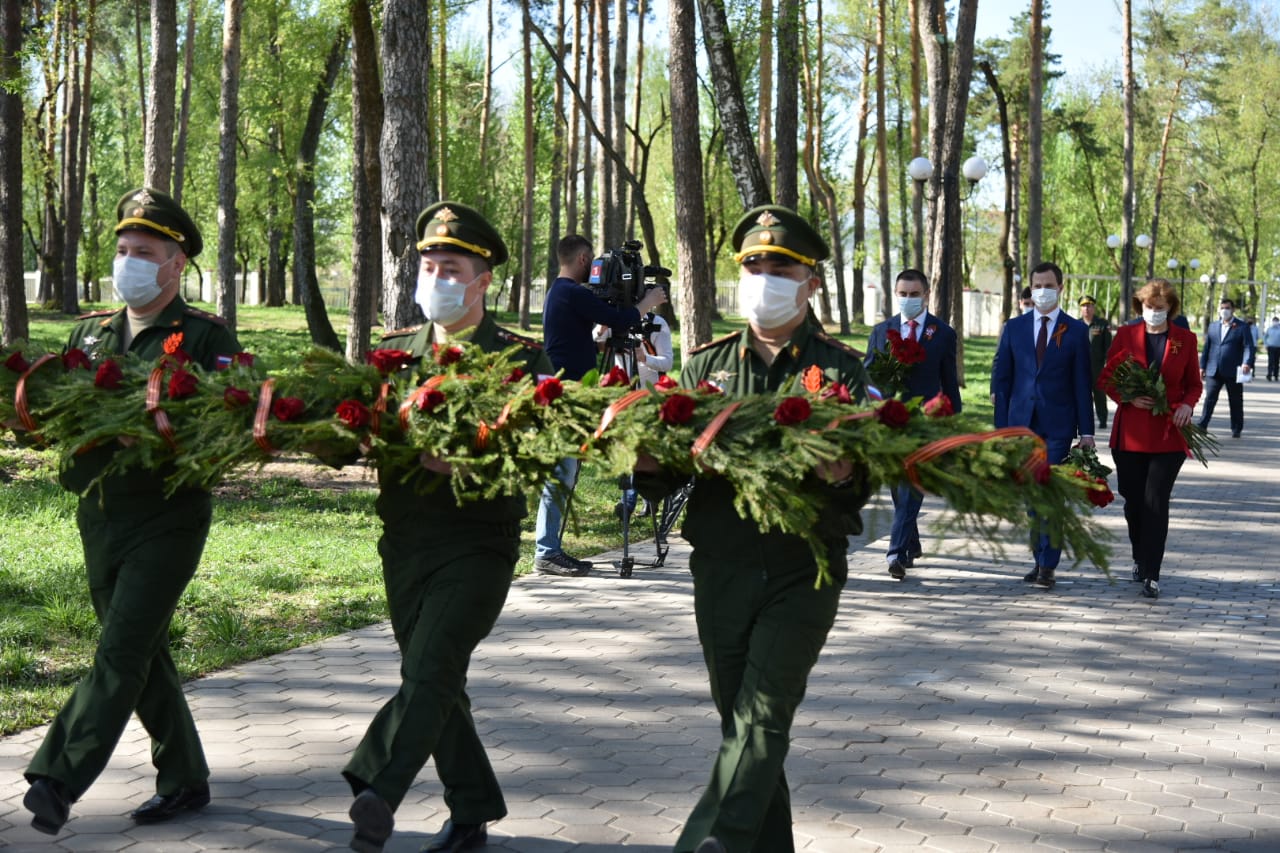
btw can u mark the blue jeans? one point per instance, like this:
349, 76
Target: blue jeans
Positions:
904, 536
551, 507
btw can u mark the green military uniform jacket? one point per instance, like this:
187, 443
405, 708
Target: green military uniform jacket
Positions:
101, 335
425, 497
1099, 343
712, 526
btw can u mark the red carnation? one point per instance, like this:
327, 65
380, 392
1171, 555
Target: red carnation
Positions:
182, 384
242, 359
892, 413
515, 376
76, 357
234, 398
390, 360
677, 409
108, 376
666, 383
615, 376
939, 406
838, 390
354, 414
707, 388
548, 389
17, 363
287, 408
446, 356
430, 400
792, 410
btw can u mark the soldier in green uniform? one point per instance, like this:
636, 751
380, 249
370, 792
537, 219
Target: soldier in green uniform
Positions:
447, 568
761, 622
141, 549
1099, 346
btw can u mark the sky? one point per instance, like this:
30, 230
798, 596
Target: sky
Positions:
1084, 33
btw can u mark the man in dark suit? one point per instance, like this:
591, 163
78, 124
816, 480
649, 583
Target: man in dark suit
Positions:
1228, 347
1041, 380
935, 375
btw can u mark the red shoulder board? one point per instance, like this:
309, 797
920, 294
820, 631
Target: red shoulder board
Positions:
716, 342
204, 315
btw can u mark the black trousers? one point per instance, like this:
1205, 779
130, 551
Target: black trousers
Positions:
1145, 481
1273, 362
1235, 400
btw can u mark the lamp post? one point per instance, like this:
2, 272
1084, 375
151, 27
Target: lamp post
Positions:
921, 171
1142, 241
1175, 264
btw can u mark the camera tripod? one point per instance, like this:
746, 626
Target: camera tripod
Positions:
664, 515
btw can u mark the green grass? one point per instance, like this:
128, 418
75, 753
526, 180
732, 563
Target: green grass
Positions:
287, 562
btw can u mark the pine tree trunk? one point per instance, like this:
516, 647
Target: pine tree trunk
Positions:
366, 123
184, 109
1035, 125
860, 182
1008, 292
764, 109
882, 158
524, 281
13, 301
786, 182
72, 177
739, 141
557, 157
618, 138
228, 122
158, 166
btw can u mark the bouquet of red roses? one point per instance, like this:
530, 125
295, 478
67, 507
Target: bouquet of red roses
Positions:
891, 367
1131, 380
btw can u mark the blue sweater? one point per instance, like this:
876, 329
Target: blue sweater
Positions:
568, 314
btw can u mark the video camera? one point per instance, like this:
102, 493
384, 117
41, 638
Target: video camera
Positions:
621, 278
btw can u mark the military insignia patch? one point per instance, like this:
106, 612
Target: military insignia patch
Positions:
813, 379
767, 219
446, 215
720, 377
143, 197
90, 340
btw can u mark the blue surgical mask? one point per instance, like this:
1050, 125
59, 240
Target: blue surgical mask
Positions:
136, 280
768, 301
442, 300
1154, 318
910, 306
1045, 298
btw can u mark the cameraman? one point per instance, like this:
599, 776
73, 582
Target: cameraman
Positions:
568, 314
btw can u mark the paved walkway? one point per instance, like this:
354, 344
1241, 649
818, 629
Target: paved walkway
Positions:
957, 711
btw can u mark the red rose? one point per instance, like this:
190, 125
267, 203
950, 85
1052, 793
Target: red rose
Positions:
615, 376
792, 410
893, 336
354, 414
176, 358
446, 356
838, 390
108, 376
242, 359
1043, 473
548, 389
234, 398
430, 400
1098, 497
677, 409
390, 360
666, 383
17, 363
706, 387
515, 376
76, 357
892, 413
939, 406
908, 351
287, 408
182, 384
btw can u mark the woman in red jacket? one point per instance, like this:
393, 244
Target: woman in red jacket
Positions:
1148, 448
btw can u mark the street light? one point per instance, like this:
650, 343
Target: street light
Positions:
920, 169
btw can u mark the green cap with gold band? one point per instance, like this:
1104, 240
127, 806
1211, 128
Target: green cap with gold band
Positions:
1087, 299
773, 229
452, 227
145, 209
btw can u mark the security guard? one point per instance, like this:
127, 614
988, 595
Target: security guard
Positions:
141, 549
761, 622
1099, 346
447, 568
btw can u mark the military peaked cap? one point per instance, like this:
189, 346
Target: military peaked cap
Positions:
452, 227
1086, 300
149, 210
774, 229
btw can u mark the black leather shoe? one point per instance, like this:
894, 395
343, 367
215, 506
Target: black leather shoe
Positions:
1235, 433
1045, 580
1030, 577
897, 570
371, 815
161, 807
49, 803
711, 845
453, 837
1137, 574
1150, 589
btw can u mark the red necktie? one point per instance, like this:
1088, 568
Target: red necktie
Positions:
911, 324
1042, 340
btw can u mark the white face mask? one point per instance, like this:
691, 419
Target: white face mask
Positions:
1154, 318
910, 306
1027, 309
1225, 314
442, 300
768, 301
1045, 298
135, 280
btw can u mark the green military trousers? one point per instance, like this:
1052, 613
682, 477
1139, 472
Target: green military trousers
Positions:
761, 633
445, 590
140, 553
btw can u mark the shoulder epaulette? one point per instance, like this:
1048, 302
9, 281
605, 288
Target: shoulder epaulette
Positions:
838, 344
103, 313
714, 343
512, 337
395, 333
203, 315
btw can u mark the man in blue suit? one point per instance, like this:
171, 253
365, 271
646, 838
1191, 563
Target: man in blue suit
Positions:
1228, 346
1041, 380
936, 374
